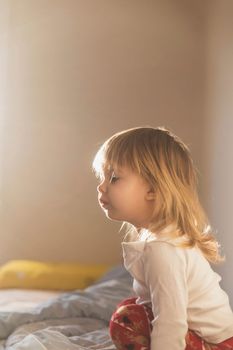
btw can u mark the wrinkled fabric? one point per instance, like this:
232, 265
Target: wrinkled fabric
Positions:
130, 328
77, 320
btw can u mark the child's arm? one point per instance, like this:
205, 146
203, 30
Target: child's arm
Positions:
165, 274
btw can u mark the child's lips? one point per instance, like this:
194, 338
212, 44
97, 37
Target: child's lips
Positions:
104, 204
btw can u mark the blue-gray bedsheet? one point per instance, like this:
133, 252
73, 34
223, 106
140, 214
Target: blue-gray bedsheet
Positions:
72, 321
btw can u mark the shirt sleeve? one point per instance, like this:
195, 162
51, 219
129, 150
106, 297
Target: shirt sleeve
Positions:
165, 276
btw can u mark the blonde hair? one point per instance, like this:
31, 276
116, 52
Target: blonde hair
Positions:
165, 163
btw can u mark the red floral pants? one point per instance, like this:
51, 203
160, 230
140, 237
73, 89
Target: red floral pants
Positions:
130, 329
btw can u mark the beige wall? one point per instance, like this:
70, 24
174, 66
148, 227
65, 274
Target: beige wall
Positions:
219, 126
75, 72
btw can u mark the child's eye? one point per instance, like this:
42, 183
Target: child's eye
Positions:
113, 178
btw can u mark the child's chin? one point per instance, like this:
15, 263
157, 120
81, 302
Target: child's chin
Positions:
112, 217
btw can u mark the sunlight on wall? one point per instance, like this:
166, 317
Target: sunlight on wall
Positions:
76, 74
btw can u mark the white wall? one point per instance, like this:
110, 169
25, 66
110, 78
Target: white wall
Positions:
74, 72
219, 128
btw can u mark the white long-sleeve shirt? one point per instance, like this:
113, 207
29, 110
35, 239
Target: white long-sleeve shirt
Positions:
182, 289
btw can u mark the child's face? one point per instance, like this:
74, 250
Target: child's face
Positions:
125, 196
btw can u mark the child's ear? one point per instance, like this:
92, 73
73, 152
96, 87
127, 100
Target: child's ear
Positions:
150, 195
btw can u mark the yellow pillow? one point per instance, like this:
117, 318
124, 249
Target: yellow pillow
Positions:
42, 275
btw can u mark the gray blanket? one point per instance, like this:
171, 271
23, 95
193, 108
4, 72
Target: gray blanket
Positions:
72, 321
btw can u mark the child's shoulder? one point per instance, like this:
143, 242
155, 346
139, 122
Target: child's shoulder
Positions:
162, 246
162, 250
166, 240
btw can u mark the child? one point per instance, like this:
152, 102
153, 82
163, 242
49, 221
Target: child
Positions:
148, 181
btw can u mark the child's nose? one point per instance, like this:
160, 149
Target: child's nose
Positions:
101, 187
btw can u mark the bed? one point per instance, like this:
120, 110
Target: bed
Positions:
51, 320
